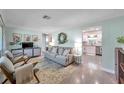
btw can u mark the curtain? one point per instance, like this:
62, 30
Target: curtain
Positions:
1, 41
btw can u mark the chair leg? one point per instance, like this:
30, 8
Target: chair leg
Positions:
4, 81
38, 81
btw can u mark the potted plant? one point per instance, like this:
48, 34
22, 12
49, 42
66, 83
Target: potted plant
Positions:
120, 39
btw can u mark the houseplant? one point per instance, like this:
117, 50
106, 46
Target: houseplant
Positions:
120, 39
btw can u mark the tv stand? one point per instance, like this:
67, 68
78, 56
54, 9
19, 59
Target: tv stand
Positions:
31, 52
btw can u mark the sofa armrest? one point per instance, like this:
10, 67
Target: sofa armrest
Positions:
70, 58
24, 74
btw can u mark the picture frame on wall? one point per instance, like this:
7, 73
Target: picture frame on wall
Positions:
34, 38
27, 38
17, 38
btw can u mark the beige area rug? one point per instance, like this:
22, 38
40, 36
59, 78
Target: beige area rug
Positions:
53, 73
52, 76
50, 72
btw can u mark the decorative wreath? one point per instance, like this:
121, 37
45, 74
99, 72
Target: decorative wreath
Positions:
62, 38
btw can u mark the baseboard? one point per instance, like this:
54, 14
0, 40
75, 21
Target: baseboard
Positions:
108, 70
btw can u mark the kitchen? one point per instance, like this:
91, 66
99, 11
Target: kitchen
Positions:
92, 41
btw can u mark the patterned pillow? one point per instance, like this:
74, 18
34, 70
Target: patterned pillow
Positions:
66, 52
54, 50
60, 51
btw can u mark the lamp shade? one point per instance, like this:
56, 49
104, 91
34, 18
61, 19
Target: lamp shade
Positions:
77, 45
51, 43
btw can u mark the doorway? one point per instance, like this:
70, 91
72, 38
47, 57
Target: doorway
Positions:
92, 45
46, 39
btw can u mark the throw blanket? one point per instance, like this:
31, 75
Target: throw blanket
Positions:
24, 74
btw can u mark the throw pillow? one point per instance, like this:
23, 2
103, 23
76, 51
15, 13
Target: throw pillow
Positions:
60, 51
49, 49
66, 52
54, 50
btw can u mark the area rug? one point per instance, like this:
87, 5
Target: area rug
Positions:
52, 73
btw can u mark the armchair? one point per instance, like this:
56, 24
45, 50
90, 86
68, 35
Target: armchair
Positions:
19, 58
20, 75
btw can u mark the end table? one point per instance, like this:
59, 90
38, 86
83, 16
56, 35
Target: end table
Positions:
77, 59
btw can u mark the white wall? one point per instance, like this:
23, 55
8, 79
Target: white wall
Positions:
73, 36
9, 36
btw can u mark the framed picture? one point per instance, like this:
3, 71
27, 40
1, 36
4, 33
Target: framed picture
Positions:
27, 37
34, 38
17, 38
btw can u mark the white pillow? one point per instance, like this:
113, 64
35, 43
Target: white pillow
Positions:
9, 55
49, 49
7, 64
54, 50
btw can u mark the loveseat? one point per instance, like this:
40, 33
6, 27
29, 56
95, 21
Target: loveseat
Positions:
60, 55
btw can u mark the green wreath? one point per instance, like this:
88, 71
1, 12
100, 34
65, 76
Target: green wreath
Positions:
62, 38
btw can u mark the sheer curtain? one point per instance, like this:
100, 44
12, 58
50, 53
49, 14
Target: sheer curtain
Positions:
1, 41
2, 36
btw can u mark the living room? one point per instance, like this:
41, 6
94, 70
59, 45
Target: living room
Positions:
51, 44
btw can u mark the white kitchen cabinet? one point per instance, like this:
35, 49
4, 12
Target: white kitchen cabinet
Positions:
89, 50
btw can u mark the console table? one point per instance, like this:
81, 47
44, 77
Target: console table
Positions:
31, 52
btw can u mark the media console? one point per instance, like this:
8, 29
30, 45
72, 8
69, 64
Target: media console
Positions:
31, 52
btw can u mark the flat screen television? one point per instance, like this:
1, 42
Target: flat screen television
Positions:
27, 44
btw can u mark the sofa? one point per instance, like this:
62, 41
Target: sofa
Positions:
60, 55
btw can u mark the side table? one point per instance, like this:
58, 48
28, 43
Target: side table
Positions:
77, 59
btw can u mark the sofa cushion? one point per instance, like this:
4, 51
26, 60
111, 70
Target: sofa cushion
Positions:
9, 55
6, 64
66, 52
61, 58
49, 49
54, 50
60, 51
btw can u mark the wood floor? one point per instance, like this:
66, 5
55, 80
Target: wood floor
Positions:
89, 72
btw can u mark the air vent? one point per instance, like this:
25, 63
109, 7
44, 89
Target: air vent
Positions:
46, 17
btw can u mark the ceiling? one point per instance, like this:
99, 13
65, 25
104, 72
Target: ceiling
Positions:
60, 18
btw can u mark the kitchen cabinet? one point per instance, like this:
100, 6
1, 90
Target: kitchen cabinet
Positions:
89, 50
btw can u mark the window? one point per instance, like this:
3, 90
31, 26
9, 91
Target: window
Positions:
1, 40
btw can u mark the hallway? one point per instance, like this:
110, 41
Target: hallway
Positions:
89, 72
